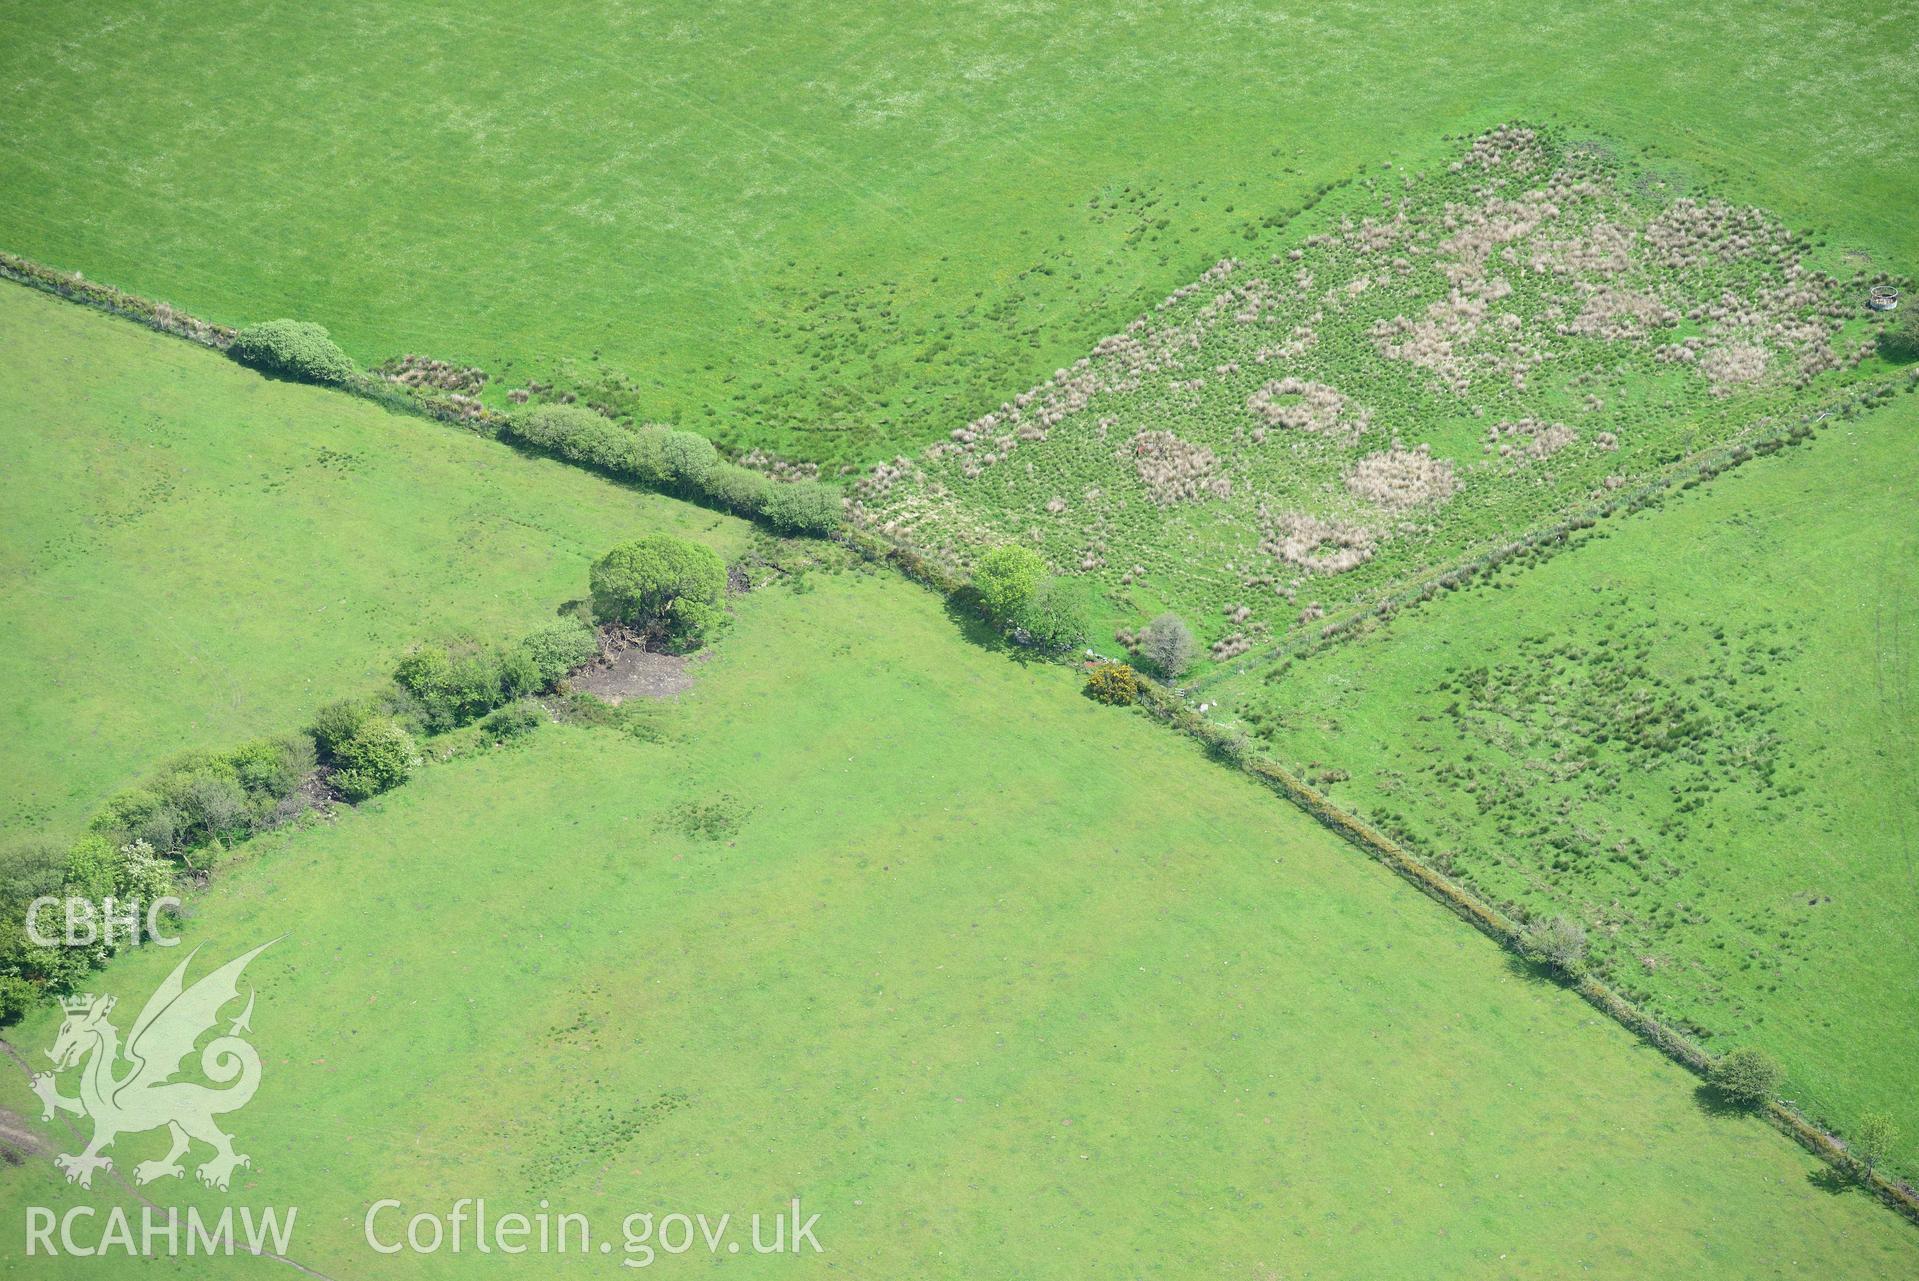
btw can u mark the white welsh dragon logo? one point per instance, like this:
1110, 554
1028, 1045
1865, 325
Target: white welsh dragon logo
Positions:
144, 1097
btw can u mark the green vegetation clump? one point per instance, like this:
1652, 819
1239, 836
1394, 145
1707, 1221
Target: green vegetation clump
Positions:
668, 590
1747, 1076
1557, 941
1007, 578
803, 507
1899, 340
369, 754
1054, 618
209, 798
1167, 644
1115, 684
294, 348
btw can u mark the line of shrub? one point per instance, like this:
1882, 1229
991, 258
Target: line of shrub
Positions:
1118, 684
1231, 746
144, 841
683, 463
74, 287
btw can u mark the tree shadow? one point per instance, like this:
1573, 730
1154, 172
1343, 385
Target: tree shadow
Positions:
963, 608
1831, 1180
1714, 1101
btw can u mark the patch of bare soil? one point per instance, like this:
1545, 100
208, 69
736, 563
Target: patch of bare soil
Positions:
627, 669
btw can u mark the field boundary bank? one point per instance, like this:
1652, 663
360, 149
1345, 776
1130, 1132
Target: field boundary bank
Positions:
1165, 704
464, 413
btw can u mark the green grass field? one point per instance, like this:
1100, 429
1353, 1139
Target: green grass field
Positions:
1695, 735
846, 234
965, 983
194, 555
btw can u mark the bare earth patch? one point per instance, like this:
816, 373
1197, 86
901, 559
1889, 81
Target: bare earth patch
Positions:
626, 669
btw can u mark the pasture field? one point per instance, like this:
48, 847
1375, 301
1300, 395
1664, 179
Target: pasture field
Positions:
1434, 362
841, 234
1694, 734
194, 555
963, 982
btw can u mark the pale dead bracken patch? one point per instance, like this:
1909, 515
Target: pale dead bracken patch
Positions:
1399, 479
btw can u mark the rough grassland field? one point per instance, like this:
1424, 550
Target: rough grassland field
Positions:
1693, 733
845, 231
192, 555
962, 981
1439, 359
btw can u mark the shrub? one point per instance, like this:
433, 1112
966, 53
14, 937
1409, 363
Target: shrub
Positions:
378, 755
689, 457
29, 869
203, 797
559, 648
1900, 340
1872, 1141
294, 348
1054, 618
1113, 683
739, 489
1559, 942
1168, 644
803, 507
336, 723
1007, 579
579, 435
666, 589
514, 720
1747, 1076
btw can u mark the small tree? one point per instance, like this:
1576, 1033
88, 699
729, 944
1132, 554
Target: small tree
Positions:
1872, 1141
296, 348
1007, 578
1747, 1076
665, 588
1559, 942
1054, 618
1168, 644
379, 755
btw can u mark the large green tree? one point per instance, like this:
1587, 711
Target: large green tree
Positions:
669, 590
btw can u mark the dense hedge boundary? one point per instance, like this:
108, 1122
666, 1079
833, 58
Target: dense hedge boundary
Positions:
785, 507
1231, 747
1166, 705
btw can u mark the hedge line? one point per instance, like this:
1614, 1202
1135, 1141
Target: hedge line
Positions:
1166, 705
683, 463
143, 840
1232, 747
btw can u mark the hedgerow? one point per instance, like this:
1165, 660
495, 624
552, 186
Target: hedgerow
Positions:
296, 349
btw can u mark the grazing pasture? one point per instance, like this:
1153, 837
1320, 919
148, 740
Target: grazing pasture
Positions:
194, 555
842, 232
1045, 995
1434, 362
1692, 733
